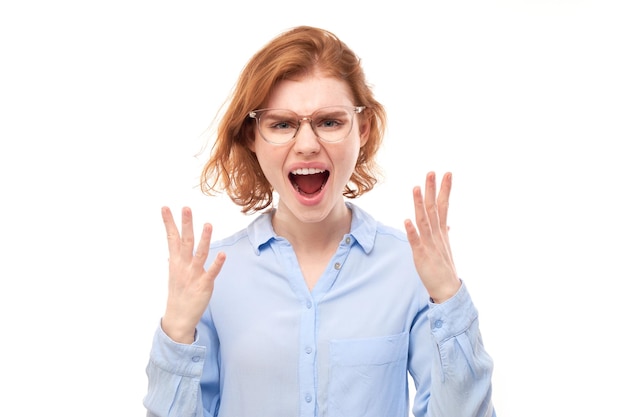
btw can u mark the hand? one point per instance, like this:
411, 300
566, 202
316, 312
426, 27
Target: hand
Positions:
190, 285
431, 247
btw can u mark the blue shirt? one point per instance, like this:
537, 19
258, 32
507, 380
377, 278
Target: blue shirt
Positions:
267, 346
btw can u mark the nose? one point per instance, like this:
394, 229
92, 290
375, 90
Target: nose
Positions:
306, 141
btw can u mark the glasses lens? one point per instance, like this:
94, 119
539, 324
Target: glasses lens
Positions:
278, 126
332, 124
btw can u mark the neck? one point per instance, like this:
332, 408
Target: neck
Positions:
313, 236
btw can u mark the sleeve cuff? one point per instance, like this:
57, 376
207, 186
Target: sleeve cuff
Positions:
452, 317
177, 358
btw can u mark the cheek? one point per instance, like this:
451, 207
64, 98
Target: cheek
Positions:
352, 153
264, 163
270, 159
346, 158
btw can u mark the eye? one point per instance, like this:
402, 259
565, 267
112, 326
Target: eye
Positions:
282, 125
330, 123
279, 121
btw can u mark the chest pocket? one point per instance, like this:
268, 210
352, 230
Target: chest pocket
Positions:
368, 377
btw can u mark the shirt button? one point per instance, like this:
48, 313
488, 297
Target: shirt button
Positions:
308, 398
348, 240
195, 359
438, 324
308, 349
337, 265
308, 304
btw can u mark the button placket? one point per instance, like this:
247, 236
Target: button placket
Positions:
307, 357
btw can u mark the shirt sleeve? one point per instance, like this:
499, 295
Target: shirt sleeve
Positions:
453, 375
174, 371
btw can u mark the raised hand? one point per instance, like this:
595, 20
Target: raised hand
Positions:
190, 285
429, 242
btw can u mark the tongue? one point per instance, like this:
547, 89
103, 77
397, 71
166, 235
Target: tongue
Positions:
309, 184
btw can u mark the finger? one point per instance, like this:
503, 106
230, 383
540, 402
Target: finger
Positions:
444, 204
186, 236
202, 252
431, 200
443, 201
412, 235
421, 216
173, 237
215, 268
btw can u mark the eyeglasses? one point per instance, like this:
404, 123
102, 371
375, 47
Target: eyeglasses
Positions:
330, 124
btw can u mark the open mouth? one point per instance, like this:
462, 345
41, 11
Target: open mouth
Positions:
308, 181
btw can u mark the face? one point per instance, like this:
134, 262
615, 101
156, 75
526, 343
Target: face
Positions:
309, 175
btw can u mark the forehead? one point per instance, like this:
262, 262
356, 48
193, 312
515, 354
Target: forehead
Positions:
306, 94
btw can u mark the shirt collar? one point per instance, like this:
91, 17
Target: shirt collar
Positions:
362, 229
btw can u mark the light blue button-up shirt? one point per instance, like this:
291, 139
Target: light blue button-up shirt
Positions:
267, 346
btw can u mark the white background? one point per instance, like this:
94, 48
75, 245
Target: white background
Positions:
103, 106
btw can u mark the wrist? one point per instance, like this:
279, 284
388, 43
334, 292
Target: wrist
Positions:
183, 334
444, 293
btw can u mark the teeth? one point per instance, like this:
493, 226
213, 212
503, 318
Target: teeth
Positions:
307, 171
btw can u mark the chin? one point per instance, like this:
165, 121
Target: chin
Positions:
309, 213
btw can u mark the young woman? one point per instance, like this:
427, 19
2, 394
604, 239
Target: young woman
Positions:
315, 309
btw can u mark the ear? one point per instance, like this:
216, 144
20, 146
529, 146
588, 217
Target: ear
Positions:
250, 138
364, 129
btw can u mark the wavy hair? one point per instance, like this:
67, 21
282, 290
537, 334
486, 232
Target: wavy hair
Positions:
232, 167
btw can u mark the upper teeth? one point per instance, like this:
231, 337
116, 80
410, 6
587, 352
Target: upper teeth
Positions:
307, 171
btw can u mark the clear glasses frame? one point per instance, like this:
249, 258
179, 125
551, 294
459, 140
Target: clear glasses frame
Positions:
294, 122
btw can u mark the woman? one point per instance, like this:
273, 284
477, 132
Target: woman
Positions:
315, 309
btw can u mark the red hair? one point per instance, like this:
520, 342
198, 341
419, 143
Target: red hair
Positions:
233, 167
